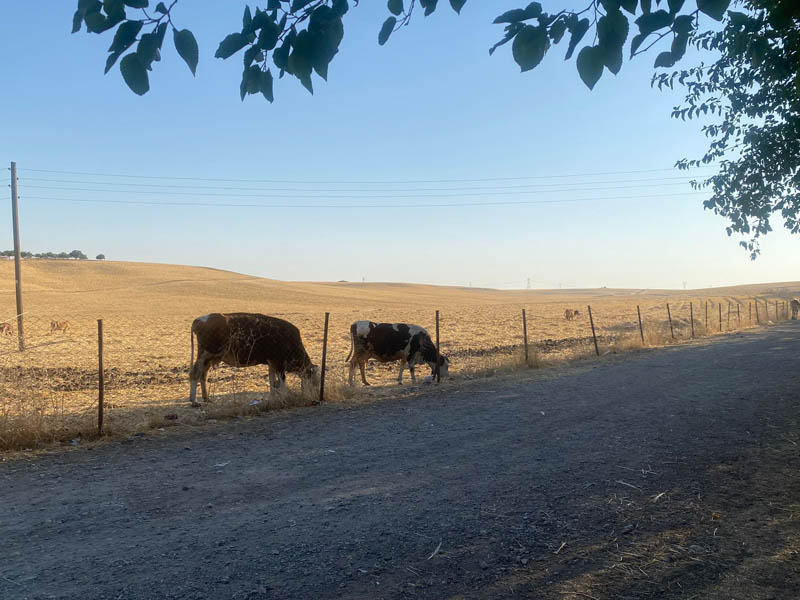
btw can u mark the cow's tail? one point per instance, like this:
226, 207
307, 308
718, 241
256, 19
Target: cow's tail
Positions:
191, 355
352, 345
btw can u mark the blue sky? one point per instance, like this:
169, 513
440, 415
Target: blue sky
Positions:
430, 105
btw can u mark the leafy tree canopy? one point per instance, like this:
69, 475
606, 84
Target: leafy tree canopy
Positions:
748, 96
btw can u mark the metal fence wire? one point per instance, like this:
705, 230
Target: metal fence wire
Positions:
50, 391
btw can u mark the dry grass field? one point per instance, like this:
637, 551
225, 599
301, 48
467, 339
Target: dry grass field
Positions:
49, 392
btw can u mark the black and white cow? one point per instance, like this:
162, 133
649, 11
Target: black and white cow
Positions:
795, 308
388, 342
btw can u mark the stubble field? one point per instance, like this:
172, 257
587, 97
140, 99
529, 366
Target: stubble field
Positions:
49, 392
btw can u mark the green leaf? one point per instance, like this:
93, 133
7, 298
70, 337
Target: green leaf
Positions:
675, 5
664, 59
299, 4
386, 30
636, 42
395, 7
590, 65
134, 74
136, 3
125, 36
77, 21
148, 49
629, 5
265, 85
231, 45
112, 58
557, 30
654, 21
678, 48
268, 36
186, 46
457, 5
683, 24
713, 8
161, 8
577, 32
247, 17
512, 16
529, 47
428, 5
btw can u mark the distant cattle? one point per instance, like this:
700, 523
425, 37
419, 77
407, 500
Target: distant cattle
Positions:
6, 329
244, 340
795, 308
61, 326
570, 314
389, 342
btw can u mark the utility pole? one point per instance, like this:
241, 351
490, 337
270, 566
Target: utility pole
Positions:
17, 258
529, 283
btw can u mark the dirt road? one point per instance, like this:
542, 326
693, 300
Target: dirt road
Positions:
671, 474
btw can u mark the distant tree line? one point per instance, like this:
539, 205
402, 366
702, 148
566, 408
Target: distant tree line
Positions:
74, 255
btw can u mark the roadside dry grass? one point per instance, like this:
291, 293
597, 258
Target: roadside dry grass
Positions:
49, 392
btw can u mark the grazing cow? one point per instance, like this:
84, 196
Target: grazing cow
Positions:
388, 342
244, 340
795, 308
569, 314
576, 313
6, 329
61, 326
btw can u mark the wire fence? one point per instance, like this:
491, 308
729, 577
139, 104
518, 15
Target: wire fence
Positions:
51, 390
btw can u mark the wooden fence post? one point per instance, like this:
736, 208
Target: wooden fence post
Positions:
729, 315
438, 370
749, 312
706, 316
669, 316
594, 335
777, 318
100, 377
758, 319
324, 357
691, 316
720, 316
525, 335
641, 329
738, 315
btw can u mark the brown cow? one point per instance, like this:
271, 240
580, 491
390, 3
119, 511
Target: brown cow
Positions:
6, 329
388, 342
569, 314
795, 308
61, 326
244, 340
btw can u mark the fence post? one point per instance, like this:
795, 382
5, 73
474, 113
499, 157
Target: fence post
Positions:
17, 257
691, 316
525, 335
776, 312
324, 356
758, 320
438, 370
720, 315
706, 317
669, 316
729, 315
594, 335
749, 312
738, 315
641, 329
100, 377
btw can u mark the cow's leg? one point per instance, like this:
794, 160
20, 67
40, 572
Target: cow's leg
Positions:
273, 380
351, 371
400, 374
411, 370
198, 373
361, 365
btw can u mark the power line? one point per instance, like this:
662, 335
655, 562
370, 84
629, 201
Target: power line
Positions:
331, 196
364, 182
349, 206
661, 180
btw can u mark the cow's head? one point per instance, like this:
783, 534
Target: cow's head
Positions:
444, 365
310, 376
